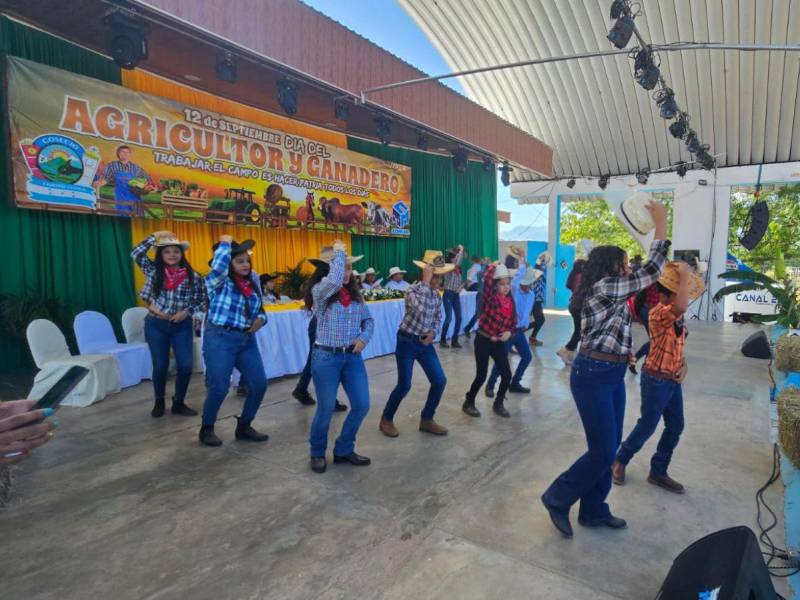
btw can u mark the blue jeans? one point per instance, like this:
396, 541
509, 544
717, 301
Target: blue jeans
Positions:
598, 388
452, 304
329, 369
660, 398
160, 335
520, 342
222, 351
410, 350
305, 376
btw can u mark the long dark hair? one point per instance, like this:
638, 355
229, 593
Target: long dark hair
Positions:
318, 275
158, 282
603, 261
577, 269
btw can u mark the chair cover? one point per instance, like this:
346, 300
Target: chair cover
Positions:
95, 335
51, 354
133, 324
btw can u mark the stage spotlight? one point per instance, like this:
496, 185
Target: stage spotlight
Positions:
706, 160
646, 71
621, 32
287, 96
422, 141
226, 66
680, 127
505, 174
460, 160
488, 165
692, 142
619, 8
603, 182
665, 100
571, 182
384, 130
127, 41
642, 176
341, 109
681, 168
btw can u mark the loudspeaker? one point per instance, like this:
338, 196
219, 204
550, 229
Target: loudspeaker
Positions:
759, 220
726, 565
757, 346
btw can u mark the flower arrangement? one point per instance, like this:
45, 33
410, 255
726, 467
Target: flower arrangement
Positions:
382, 294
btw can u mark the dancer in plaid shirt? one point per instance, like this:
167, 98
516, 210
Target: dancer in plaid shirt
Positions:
173, 291
496, 324
597, 378
415, 344
451, 298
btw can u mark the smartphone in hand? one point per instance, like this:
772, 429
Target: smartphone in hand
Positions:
61, 388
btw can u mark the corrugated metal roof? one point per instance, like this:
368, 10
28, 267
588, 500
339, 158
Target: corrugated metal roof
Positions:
745, 105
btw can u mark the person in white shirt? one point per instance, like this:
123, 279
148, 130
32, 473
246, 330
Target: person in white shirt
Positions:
371, 281
473, 273
396, 281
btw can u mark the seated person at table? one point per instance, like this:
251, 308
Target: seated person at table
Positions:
269, 293
396, 281
370, 281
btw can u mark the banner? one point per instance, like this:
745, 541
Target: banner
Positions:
82, 145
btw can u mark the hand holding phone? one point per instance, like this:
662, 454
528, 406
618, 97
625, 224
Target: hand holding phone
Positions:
22, 428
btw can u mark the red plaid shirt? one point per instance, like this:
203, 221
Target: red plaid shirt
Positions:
492, 320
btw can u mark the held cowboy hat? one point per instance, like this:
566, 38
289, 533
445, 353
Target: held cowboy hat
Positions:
236, 248
671, 279
436, 260
326, 257
530, 276
170, 239
516, 252
396, 271
545, 258
503, 272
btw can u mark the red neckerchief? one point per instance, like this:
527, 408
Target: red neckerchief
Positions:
458, 271
344, 297
174, 277
245, 285
506, 305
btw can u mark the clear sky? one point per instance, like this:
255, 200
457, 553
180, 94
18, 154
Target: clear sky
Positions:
385, 23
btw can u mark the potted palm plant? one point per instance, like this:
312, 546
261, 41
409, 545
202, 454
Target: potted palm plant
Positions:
293, 281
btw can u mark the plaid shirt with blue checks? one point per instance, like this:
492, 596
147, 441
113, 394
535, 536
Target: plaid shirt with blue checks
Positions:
227, 306
189, 295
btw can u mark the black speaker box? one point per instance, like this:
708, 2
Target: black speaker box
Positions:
727, 563
757, 346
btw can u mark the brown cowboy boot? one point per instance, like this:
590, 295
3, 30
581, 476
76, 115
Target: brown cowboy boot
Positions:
431, 426
666, 482
388, 429
618, 473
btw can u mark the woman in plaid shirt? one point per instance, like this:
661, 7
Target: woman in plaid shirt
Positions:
344, 328
496, 324
597, 377
173, 292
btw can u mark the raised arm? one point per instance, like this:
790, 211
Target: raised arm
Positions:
139, 255
219, 264
334, 280
621, 288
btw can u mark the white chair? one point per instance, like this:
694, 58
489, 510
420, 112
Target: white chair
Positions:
95, 335
133, 324
51, 355
285, 299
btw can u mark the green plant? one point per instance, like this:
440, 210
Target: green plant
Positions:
18, 310
293, 281
785, 293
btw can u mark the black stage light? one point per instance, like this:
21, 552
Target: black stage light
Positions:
642, 176
571, 182
681, 168
649, 77
603, 182
287, 96
127, 41
422, 141
505, 174
384, 130
692, 142
680, 127
226, 66
665, 100
619, 8
621, 32
341, 109
646, 70
460, 160
488, 165
705, 159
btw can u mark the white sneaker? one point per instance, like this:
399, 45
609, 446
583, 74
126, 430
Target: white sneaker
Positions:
566, 356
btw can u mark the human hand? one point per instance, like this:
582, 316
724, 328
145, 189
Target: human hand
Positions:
684, 270
179, 316
339, 245
21, 430
659, 213
163, 233
427, 274
681, 375
505, 336
427, 339
257, 324
358, 346
226, 239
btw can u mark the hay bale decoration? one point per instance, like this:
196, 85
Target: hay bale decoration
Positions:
787, 354
789, 423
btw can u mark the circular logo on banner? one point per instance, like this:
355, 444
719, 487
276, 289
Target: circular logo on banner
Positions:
59, 158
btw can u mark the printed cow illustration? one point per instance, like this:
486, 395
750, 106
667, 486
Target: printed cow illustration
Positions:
380, 219
334, 212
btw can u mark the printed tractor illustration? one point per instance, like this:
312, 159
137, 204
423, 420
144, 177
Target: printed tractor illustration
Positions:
241, 202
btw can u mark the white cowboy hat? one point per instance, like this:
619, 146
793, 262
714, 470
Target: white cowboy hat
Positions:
436, 260
502, 272
326, 257
530, 276
356, 273
370, 271
170, 239
395, 271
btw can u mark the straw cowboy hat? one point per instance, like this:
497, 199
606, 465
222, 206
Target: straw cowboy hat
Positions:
545, 258
671, 279
530, 276
170, 239
436, 260
396, 271
516, 251
326, 257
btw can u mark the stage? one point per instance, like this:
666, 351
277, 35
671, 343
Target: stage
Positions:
120, 505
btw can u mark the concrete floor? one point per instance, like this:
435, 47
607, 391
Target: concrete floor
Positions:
120, 505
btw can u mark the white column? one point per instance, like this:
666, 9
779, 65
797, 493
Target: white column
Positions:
553, 218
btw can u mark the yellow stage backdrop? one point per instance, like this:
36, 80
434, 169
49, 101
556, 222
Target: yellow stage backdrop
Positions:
276, 249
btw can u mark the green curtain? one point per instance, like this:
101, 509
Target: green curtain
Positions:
83, 261
447, 208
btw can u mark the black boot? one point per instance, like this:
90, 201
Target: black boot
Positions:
180, 408
469, 407
303, 397
499, 409
339, 407
245, 431
208, 437
158, 408
455, 343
